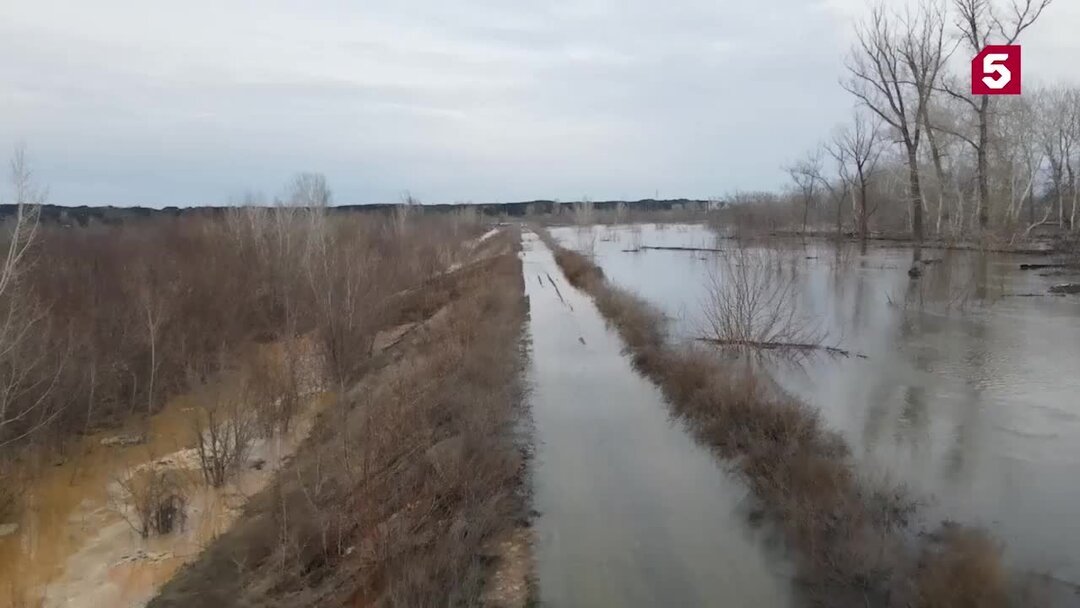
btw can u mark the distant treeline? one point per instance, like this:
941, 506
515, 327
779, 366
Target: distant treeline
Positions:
84, 215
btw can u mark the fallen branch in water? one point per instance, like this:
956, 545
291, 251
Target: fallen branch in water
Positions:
660, 248
832, 350
1042, 266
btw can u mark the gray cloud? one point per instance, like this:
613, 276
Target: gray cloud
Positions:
147, 103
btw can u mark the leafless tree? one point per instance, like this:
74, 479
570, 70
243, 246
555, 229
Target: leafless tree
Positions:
224, 428
857, 148
1022, 155
1057, 119
309, 190
806, 173
980, 24
26, 379
152, 500
893, 69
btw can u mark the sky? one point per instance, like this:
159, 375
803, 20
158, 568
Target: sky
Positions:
153, 103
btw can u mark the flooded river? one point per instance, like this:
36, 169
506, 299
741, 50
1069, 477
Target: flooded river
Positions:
969, 390
632, 511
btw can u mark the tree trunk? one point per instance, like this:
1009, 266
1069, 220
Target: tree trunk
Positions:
939, 171
863, 220
840, 216
915, 192
1031, 206
1072, 190
984, 184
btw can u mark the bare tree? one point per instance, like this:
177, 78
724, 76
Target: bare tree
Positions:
893, 71
1056, 110
26, 382
309, 190
981, 24
1022, 155
857, 148
224, 428
806, 173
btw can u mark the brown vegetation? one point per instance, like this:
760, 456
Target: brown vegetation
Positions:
106, 322
750, 303
852, 540
962, 568
402, 492
153, 500
223, 435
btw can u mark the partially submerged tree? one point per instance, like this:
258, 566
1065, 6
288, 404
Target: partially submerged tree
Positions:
806, 173
893, 70
856, 149
981, 24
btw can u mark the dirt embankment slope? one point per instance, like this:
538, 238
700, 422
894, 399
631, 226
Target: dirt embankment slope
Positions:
410, 490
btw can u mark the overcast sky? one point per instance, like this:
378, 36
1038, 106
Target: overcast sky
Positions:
196, 102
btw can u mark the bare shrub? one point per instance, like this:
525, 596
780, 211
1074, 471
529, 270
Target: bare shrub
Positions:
752, 302
224, 427
750, 214
274, 375
153, 500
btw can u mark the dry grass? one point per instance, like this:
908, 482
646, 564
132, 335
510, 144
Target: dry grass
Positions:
398, 501
579, 270
850, 538
962, 568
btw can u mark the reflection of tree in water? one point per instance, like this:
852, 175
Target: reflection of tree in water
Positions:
876, 415
969, 409
953, 281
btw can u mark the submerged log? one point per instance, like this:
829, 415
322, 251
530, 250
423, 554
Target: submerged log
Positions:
1048, 265
1066, 288
832, 350
662, 248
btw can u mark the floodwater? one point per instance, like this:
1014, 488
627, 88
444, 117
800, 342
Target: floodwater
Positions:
74, 546
632, 512
969, 390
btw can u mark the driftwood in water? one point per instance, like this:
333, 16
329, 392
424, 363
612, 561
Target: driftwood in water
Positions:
662, 248
1048, 265
832, 350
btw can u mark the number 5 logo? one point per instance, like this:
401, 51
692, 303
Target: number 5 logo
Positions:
996, 71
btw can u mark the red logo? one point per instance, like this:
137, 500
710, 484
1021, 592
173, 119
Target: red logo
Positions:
996, 70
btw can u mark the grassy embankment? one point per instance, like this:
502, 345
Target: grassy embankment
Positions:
409, 494
852, 540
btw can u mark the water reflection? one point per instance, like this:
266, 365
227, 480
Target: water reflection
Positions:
967, 394
632, 511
